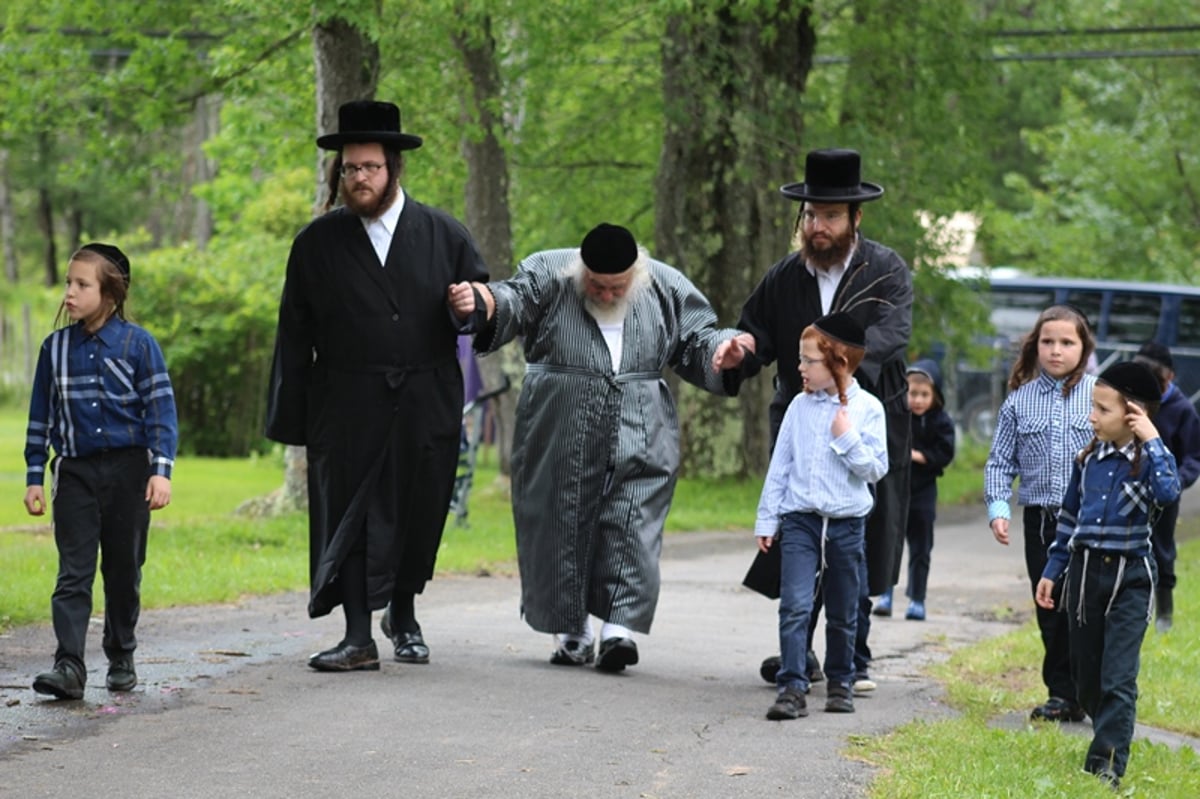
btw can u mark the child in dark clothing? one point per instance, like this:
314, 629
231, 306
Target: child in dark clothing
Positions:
932, 451
1179, 425
1119, 483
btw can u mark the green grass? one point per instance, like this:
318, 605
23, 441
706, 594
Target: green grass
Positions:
1003, 675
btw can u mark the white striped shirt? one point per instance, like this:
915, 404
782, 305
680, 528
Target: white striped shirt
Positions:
813, 472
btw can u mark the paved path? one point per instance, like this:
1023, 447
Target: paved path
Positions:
228, 708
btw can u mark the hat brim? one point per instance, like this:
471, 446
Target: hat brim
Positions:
402, 141
864, 192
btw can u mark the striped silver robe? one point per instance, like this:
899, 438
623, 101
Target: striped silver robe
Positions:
595, 453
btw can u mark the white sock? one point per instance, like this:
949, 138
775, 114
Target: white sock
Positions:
610, 630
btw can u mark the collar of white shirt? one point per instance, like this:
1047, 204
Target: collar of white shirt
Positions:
381, 229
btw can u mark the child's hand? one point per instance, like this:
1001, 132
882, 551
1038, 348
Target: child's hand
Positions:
841, 422
35, 501
764, 543
1139, 422
1045, 594
1000, 530
158, 492
918, 456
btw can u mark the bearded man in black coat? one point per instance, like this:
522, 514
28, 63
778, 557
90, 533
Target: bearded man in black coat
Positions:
838, 269
366, 376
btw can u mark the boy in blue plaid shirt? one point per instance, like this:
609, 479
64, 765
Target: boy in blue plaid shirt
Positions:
102, 400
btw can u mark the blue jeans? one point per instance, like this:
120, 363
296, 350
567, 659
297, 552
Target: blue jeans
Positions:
800, 537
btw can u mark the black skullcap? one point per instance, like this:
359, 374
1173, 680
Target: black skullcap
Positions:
608, 249
112, 254
1134, 380
1158, 353
842, 327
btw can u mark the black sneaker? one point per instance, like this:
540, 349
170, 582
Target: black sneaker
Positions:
790, 704
1058, 709
121, 674
771, 666
838, 699
64, 681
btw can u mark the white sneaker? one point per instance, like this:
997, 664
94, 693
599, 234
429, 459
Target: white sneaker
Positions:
864, 685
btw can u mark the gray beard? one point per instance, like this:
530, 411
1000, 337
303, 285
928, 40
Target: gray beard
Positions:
607, 314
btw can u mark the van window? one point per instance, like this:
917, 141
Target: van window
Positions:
1133, 317
1189, 323
1090, 302
1014, 313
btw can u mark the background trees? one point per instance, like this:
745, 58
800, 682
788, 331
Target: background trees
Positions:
184, 131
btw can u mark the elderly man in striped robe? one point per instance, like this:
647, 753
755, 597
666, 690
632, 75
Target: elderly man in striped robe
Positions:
596, 448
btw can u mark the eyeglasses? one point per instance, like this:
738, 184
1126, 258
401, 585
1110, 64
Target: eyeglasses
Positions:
352, 170
828, 217
806, 361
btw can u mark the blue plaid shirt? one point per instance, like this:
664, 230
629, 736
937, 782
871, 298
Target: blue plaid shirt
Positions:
99, 391
1108, 507
1038, 434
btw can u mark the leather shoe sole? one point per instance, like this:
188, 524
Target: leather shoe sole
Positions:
347, 657
616, 654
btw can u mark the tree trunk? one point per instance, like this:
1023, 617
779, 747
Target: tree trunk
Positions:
487, 212
731, 86
347, 68
8, 226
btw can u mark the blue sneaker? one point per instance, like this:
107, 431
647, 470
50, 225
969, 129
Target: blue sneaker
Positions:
916, 611
883, 605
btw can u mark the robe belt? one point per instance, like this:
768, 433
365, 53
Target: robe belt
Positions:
623, 377
394, 374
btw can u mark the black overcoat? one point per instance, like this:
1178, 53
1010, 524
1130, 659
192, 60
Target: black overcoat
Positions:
876, 290
366, 376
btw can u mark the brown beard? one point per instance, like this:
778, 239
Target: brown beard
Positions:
371, 209
833, 255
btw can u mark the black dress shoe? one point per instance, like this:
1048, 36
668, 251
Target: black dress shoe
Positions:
616, 654
347, 657
574, 653
411, 648
121, 674
64, 681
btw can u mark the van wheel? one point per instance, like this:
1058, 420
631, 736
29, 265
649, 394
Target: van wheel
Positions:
979, 419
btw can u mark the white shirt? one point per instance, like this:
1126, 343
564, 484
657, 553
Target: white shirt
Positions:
381, 230
827, 280
614, 334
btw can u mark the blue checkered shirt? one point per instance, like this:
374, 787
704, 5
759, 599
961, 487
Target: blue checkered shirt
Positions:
1038, 434
99, 391
1107, 507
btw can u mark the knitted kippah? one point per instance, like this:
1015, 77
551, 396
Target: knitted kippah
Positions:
842, 327
608, 249
1134, 380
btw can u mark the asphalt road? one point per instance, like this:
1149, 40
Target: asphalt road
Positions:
227, 707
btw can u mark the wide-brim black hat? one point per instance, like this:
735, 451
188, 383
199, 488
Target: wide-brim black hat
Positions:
369, 121
832, 176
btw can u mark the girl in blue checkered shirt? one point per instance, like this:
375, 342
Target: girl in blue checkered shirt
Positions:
1042, 425
102, 400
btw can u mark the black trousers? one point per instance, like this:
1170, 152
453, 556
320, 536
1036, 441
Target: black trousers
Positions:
99, 507
1163, 542
1106, 631
1040, 525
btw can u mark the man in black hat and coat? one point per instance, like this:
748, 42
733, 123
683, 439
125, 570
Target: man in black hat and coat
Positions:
366, 376
837, 269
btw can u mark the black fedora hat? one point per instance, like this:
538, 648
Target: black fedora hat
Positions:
369, 121
832, 176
